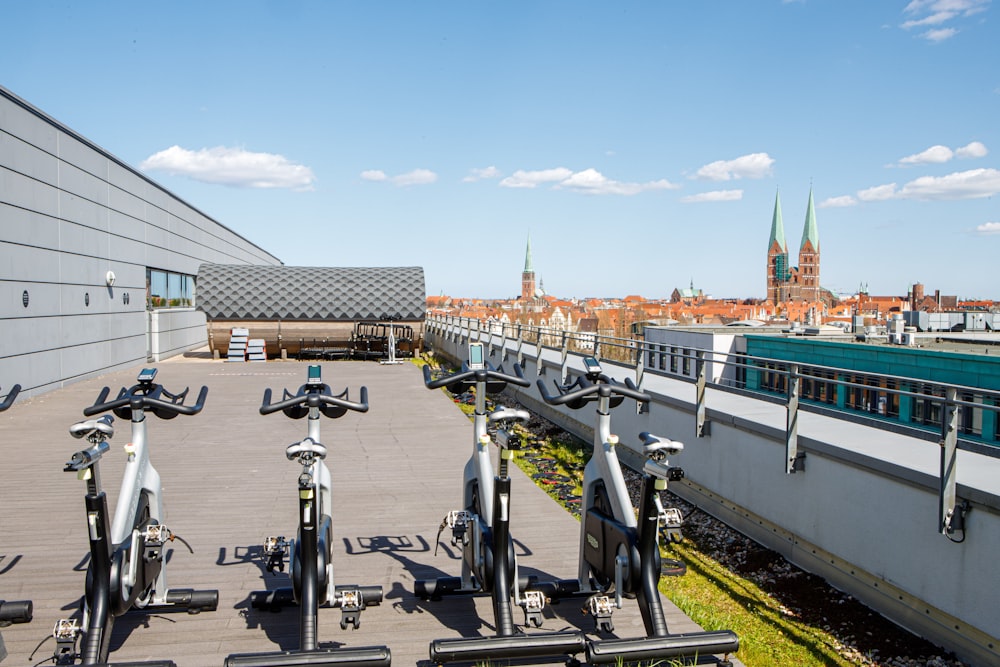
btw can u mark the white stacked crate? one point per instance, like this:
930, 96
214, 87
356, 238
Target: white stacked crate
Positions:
238, 338
255, 350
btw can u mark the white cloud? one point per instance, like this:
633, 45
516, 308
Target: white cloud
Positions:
989, 228
715, 195
934, 155
936, 18
939, 35
939, 154
588, 181
839, 202
923, 13
974, 149
531, 179
481, 174
972, 184
878, 193
754, 165
591, 181
415, 177
234, 167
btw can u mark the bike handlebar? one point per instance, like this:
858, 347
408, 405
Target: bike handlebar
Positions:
11, 395
314, 399
482, 375
140, 401
606, 387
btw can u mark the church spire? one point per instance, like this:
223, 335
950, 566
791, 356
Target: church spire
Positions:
777, 227
810, 232
527, 257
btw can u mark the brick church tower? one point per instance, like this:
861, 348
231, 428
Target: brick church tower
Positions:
528, 277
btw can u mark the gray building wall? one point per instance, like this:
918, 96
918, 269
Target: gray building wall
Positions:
69, 213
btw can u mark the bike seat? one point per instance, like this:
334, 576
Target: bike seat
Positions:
505, 414
308, 447
652, 444
86, 428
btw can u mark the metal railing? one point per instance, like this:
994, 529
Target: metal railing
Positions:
775, 380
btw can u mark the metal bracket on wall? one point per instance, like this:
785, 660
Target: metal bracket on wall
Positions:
640, 371
564, 361
793, 461
951, 512
702, 425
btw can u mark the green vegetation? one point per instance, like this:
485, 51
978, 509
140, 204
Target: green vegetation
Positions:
770, 635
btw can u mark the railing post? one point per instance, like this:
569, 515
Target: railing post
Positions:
949, 459
520, 346
703, 426
503, 341
564, 362
794, 460
539, 369
640, 373
597, 347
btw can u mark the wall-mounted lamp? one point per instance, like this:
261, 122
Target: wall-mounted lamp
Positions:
109, 278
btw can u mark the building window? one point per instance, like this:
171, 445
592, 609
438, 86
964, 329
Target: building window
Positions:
166, 289
928, 410
673, 359
970, 419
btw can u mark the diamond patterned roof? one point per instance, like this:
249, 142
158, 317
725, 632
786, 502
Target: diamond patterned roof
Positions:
243, 292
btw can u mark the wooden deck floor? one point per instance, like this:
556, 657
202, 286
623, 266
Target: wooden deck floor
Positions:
227, 484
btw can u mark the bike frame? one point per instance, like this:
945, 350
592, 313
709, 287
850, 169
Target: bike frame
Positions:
605, 467
312, 548
125, 560
139, 477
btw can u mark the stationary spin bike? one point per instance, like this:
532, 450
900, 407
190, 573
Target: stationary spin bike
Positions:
482, 528
12, 611
127, 566
620, 555
311, 566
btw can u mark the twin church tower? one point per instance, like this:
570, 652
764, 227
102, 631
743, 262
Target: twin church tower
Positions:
793, 283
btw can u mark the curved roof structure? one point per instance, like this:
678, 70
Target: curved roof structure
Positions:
245, 292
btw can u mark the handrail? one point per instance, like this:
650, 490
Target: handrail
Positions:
951, 510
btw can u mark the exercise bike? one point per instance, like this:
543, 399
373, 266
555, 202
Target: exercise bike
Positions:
12, 611
309, 555
482, 528
620, 555
127, 566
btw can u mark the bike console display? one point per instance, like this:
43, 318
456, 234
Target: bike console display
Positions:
315, 378
146, 376
477, 357
592, 367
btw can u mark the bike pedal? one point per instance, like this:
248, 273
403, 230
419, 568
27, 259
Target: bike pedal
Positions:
601, 608
66, 632
157, 534
458, 521
351, 603
275, 548
66, 629
533, 603
670, 521
671, 567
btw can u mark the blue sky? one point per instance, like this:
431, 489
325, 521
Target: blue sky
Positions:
640, 144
